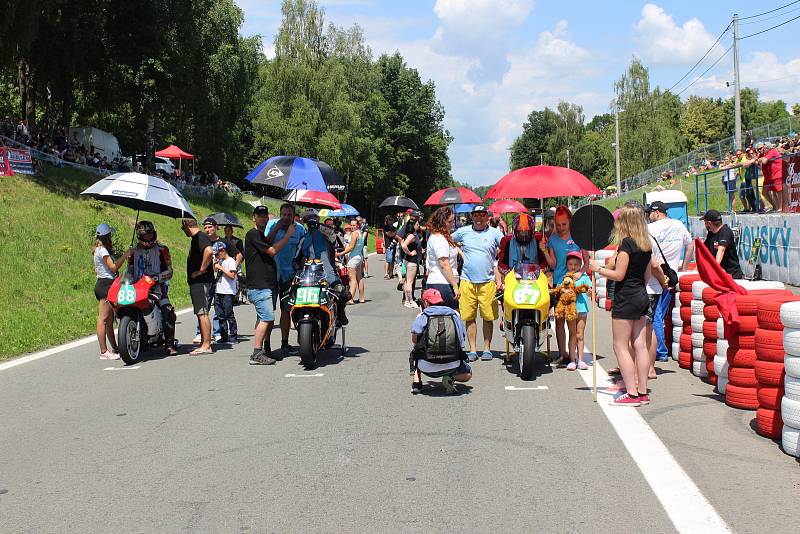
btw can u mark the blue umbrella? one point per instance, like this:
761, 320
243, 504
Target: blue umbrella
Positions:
464, 208
346, 211
294, 172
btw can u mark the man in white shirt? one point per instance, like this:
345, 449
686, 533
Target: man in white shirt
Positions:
671, 238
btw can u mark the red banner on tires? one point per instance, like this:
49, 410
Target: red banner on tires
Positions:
5, 166
791, 199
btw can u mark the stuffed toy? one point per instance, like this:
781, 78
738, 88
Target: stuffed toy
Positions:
567, 294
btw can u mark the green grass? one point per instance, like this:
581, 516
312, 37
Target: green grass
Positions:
717, 199
46, 236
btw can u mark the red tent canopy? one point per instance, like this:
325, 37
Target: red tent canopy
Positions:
173, 152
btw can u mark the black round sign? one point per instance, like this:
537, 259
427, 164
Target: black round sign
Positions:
591, 227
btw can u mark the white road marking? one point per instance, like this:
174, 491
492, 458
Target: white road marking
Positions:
292, 375
126, 368
682, 500
515, 388
61, 348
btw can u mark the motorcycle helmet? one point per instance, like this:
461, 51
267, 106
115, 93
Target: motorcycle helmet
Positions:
523, 228
146, 233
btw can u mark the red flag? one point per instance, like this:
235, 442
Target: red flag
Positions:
715, 276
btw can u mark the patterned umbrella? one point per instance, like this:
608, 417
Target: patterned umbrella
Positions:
294, 172
507, 206
142, 193
313, 198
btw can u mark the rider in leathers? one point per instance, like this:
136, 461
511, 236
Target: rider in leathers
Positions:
319, 243
149, 257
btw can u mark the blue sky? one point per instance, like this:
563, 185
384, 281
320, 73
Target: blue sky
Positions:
494, 61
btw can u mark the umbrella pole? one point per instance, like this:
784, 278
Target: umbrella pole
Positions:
133, 237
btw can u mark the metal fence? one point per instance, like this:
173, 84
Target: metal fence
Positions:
714, 151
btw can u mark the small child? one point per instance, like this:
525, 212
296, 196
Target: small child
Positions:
576, 328
226, 291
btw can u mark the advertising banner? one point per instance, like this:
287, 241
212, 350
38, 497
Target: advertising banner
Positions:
792, 178
20, 160
5, 167
779, 254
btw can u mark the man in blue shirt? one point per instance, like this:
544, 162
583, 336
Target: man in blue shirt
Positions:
274, 232
480, 279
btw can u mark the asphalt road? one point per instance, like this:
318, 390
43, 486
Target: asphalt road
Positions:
210, 443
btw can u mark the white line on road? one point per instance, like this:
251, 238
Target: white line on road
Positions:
126, 368
686, 506
292, 375
515, 388
60, 348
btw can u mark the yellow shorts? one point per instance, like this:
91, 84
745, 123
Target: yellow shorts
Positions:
474, 296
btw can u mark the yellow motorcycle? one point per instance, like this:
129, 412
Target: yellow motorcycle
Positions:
526, 306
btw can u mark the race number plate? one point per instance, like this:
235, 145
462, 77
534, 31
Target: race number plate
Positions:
307, 295
126, 295
526, 295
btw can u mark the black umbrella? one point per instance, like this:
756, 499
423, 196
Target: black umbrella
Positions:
226, 219
294, 172
399, 202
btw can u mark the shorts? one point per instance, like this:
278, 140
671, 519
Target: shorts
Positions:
199, 293
101, 288
773, 185
474, 296
729, 185
365, 252
389, 255
262, 300
448, 295
355, 262
651, 307
630, 306
281, 296
462, 368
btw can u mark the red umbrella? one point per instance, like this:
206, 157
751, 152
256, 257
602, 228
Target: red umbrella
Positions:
453, 195
507, 206
543, 181
313, 198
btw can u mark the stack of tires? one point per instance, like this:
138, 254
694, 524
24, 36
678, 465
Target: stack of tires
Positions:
742, 388
677, 322
721, 359
790, 404
698, 336
769, 366
710, 337
685, 314
605, 289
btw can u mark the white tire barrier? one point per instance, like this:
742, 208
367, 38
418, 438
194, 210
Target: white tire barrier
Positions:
698, 356
790, 440
720, 329
697, 289
697, 307
791, 364
602, 292
791, 341
761, 284
699, 369
721, 365
697, 324
790, 410
790, 315
676, 351
676, 316
676, 332
791, 387
697, 340
602, 303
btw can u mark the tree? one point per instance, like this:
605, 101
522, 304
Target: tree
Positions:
531, 146
702, 121
796, 110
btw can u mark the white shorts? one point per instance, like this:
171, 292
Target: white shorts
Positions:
364, 251
355, 262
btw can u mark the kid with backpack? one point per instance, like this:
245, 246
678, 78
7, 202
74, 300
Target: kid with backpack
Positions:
439, 336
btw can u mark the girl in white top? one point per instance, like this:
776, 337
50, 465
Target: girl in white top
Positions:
105, 267
442, 257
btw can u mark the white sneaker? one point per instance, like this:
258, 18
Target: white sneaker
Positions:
197, 339
109, 355
218, 338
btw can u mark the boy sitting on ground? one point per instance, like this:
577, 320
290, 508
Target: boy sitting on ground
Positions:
439, 338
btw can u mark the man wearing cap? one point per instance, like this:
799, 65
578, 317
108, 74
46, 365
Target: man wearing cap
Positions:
262, 281
480, 279
672, 238
721, 243
457, 371
276, 229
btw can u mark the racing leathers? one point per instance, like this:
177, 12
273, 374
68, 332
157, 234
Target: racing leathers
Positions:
156, 261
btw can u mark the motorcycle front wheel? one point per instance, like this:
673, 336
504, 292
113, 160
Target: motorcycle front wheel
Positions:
129, 338
308, 341
527, 354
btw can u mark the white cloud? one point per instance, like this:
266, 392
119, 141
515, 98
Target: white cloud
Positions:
662, 42
773, 79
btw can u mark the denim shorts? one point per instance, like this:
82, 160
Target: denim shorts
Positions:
389, 255
262, 300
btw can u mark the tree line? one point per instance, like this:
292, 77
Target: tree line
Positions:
156, 72
654, 127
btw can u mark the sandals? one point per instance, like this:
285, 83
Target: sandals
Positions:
614, 371
198, 352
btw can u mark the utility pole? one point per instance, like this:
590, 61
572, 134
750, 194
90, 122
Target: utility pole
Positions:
616, 145
737, 102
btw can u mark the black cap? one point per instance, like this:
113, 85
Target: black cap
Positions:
415, 214
711, 215
480, 209
209, 220
260, 210
657, 206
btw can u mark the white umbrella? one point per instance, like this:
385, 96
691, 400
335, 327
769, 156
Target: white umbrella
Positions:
142, 193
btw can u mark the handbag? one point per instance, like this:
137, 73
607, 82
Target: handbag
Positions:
669, 272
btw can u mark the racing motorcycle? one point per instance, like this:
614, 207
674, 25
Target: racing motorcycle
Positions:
140, 321
526, 306
314, 311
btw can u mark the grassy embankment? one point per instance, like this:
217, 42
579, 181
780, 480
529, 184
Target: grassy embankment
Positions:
46, 292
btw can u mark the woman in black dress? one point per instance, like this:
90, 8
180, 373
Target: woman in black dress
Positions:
634, 258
